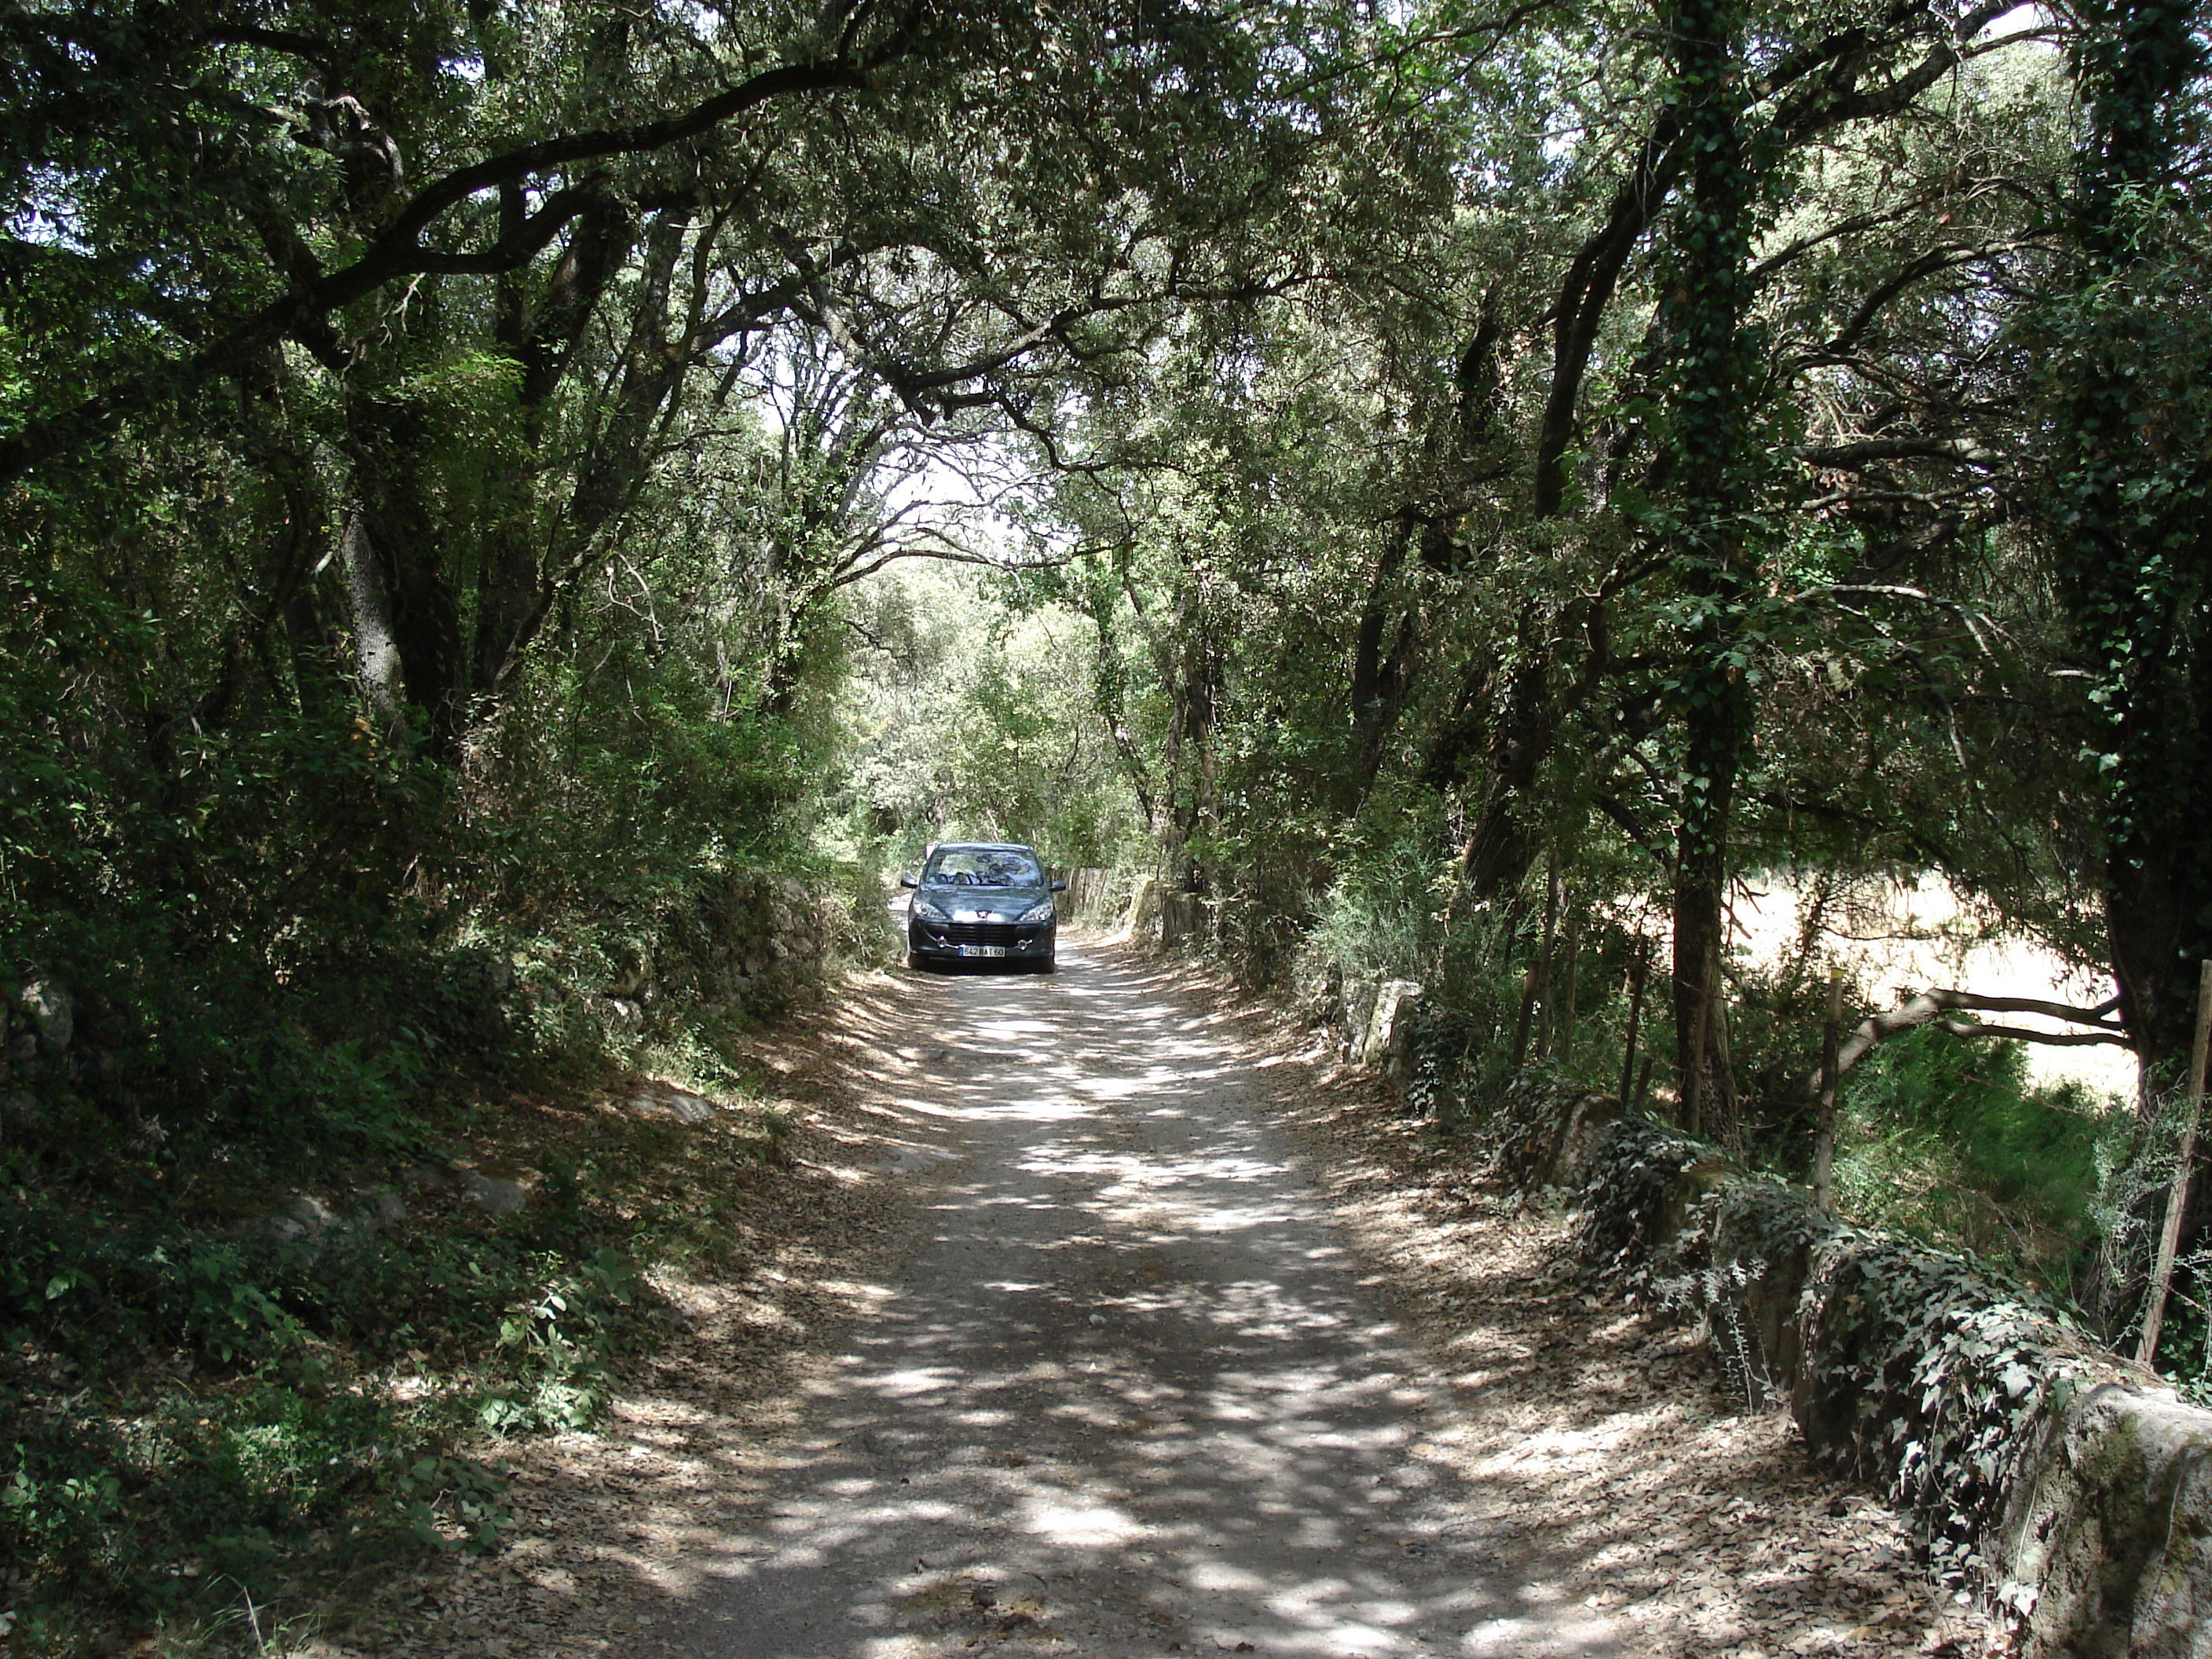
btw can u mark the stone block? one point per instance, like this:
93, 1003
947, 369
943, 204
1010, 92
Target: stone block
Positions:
1360, 996
495, 1194
666, 1100
1143, 922
1387, 1023
1577, 1139
2107, 1544
305, 1216
385, 1210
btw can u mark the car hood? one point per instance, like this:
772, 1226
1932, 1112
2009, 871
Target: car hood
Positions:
984, 904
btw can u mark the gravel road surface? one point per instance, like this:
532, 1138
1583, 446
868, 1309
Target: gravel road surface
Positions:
1127, 1395
1102, 1315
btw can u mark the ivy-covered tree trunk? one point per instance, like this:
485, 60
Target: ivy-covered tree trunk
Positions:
1708, 292
2130, 497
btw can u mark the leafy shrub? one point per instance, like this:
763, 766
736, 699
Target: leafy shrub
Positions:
257, 1435
566, 1336
1947, 1141
1378, 915
202, 1494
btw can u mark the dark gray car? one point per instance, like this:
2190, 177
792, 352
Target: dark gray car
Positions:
986, 899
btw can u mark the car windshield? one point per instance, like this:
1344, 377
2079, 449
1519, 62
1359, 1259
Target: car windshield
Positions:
968, 866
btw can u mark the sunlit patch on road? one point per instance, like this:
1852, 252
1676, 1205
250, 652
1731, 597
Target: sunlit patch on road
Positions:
1129, 1374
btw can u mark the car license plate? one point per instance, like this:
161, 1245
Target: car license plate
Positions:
982, 949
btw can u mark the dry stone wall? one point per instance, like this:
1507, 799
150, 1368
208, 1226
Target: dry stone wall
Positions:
748, 941
2068, 1486
750, 936
1371, 1017
1094, 896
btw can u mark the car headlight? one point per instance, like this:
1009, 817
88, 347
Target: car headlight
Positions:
1038, 912
922, 909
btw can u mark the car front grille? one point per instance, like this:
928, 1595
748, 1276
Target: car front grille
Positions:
981, 933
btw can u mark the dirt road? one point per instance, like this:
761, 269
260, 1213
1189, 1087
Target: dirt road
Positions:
1129, 1397
1102, 1317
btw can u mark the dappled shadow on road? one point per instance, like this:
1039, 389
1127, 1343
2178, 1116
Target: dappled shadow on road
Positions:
1132, 1383
1703, 1528
1129, 1397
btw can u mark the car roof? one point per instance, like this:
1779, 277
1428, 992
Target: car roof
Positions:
981, 846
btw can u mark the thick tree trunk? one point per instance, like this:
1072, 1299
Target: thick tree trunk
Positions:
1702, 325
1826, 77
1701, 872
368, 603
1499, 846
1499, 849
405, 612
406, 588
540, 335
2130, 504
1381, 679
1190, 810
1108, 687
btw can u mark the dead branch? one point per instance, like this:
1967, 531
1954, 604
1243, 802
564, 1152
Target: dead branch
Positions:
1933, 1007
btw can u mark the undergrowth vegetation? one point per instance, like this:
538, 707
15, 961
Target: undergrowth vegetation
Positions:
1950, 1140
1955, 1145
257, 1329
220, 1395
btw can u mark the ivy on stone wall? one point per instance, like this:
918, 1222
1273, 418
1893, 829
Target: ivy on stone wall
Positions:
1936, 1379
1921, 1371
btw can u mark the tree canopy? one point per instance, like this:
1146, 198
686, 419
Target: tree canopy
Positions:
1412, 460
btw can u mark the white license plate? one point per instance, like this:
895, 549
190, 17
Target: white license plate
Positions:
982, 949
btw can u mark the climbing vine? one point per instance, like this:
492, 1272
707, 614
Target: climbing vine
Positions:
1920, 1371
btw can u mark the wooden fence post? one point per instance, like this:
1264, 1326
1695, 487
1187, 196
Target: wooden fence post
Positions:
1568, 968
2176, 1197
1544, 1020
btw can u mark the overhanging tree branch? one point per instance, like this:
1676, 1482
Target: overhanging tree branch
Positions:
1867, 452
1935, 1007
399, 251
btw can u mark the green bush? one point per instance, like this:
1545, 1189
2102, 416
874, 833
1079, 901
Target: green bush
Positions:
1947, 1141
198, 1415
1379, 914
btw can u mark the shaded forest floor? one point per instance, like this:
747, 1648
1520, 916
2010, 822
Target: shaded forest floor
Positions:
1589, 1434
1709, 1528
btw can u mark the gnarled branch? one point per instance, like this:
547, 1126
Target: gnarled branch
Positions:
1934, 1007
399, 251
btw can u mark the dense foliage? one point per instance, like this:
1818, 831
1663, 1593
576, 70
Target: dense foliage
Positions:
1450, 489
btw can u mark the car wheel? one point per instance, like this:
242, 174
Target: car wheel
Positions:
915, 962
1049, 965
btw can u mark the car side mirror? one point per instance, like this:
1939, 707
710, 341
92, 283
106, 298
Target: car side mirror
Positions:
1060, 887
909, 881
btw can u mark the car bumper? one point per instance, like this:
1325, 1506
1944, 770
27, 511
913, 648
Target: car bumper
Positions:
972, 941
